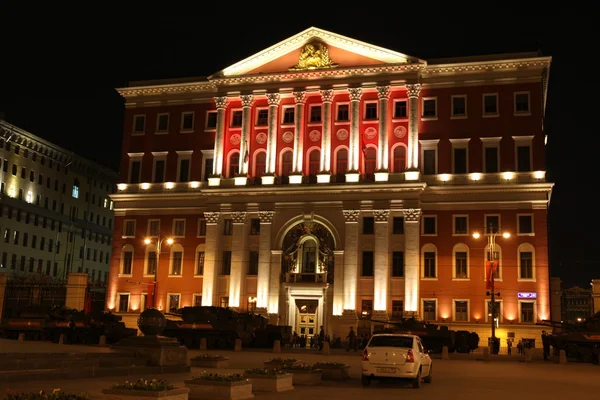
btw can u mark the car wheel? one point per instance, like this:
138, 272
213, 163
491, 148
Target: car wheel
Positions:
429, 377
366, 381
417, 381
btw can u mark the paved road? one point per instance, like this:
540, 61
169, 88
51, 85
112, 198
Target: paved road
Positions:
453, 379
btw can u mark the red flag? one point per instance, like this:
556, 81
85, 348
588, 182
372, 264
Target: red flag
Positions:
87, 307
490, 266
150, 297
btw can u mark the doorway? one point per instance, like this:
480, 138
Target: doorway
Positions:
307, 317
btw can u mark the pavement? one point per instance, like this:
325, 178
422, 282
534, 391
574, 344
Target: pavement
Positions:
463, 379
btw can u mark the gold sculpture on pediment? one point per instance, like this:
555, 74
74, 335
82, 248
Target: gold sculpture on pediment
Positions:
314, 55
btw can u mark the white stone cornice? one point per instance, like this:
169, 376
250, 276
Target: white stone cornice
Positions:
486, 66
175, 88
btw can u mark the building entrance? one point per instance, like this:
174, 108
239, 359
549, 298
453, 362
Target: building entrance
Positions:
307, 317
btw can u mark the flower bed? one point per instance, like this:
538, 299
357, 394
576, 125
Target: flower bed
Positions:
219, 386
210, 361
333, 370
279, 362
304, 374
55, 395
143, 389
270, 380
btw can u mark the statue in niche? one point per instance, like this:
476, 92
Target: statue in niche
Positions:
324, 245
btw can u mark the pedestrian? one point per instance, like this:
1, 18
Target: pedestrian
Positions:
351, 339
546, 344
509, 346
520, 347
321, 339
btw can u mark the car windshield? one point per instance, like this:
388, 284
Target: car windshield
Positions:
391, 341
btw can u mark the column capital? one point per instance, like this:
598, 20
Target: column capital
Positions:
299, 97
381, 215
327, 95
355, 94
239, 217
266, 217
273, 99
247, 100
212, 217
412, 214
221, 102
413, 89
383, 92
351, 216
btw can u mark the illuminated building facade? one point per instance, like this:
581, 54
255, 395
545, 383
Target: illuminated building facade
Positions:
56, 215
324, 180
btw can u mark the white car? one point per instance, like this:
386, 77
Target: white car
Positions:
396, 356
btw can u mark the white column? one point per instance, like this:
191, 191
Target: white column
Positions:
298, 159
264, 259
273, 100
338, 282
247, 101
221, 103
274, 281
413, 91
211, 255
383, 92
381, 272
351, 259
354, 148
239, 241
327, 97
412, 220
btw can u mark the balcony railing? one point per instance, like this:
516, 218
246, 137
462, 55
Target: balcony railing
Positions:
305, 277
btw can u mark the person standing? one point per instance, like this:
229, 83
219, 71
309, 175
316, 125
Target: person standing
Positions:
520, 347
321, 338
546, 345
351, 339
509, 346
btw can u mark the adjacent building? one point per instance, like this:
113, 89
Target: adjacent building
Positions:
56, 215
328, 181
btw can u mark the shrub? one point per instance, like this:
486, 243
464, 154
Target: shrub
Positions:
264, 371
282, 360
205, 376
153, 385
302, 366
55, 395
329, 364
211, 357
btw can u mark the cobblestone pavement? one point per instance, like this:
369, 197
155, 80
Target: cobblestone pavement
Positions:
453, 379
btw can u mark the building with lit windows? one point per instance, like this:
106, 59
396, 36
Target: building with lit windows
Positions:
327, 181
56, 215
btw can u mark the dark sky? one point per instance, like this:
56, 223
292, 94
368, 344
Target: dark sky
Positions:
59, 69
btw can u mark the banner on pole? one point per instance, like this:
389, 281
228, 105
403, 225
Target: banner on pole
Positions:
151, 295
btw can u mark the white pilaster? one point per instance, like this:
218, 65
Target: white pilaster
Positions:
351, 258
221, 103
297, 160
412, 220
237, 276
264, 259
354, 147
413, 91
338, 282
274, 281
273, 100
381, 272
327, 97
211, 255
247, 101
383, 92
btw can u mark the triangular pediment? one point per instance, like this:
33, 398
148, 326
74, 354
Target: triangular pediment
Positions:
315, 49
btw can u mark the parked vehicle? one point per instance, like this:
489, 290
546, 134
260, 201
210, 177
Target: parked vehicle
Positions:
396, 356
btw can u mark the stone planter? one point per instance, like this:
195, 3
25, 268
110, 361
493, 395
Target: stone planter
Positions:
221, 390
125, 394
302, 377
210, 363
334, 372
278, 365
271, 383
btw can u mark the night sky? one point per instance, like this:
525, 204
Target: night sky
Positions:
59, 70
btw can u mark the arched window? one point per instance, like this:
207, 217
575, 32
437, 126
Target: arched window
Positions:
526, 262
261, 164
399, 159
497, 256
150, 262
314, 161
75, 192
370, 162
286, 163
309, 257
341, 164
460, 261
234, 164
429, 262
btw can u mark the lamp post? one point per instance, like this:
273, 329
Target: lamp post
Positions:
492, 269
148, 241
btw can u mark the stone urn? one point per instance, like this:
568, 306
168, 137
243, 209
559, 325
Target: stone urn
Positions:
152, 322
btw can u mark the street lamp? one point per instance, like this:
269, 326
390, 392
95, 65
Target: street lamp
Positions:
148, 241
492, 265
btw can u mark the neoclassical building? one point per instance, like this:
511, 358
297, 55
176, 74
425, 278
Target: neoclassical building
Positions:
328, 181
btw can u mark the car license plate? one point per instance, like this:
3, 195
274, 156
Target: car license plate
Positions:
386, 370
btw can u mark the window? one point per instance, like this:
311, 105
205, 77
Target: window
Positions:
368, 225
123, 305
526, 265
75, 191
397, 264
197, 301
429, 265
460, 160
228, 227
459, 106
199, 263
342, 113
179, 228
151, 262
234, 164
225, 302
260, 167
397, 309
527, 311
236, 118
160, 161
183, 167
129, 228
139, 124
176, 262
490, 105
461, 310
491, 160
525, 224
341, 163
492, 224
173, 302
367, 263
253, 263
399, 162
208, 167
398, 225
127, 261
288, 115
226, 267
201, 227
187, 121
162, 124
523, 158
211, 120
429, 225
371, 111
522, 103
314, 160
255, 226
262, 118
460, 265
461, 225
366, 309
31, 176
14, 169
135, 169
429, 310
429, 156
286, 163
153, 227
400, 109
370, 160
429, 108
315, 114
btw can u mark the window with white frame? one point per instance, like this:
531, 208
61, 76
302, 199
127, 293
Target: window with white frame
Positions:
429, 108
129, 228
139, 124
429, 262
460, 156
315, 114
173, 301
490, 105
498, 310
201, 227
135, 167
459, 106
179, 228
400, 109
199, 270
211, 120
159, 165
123, 302
460, 225
207, 164
526, 254
187, 121
197, 300
126, 266
491, 154
288, 115
460, 261
523, 151
429, 225
176, 262
492, 223
522, 103
461, 310
236, 118
342, 114
184, 161
162, 123
429, 164
429, 309
150, 260
262, 117
153, 227
525, 225
527, 312
143, 302
370, 110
